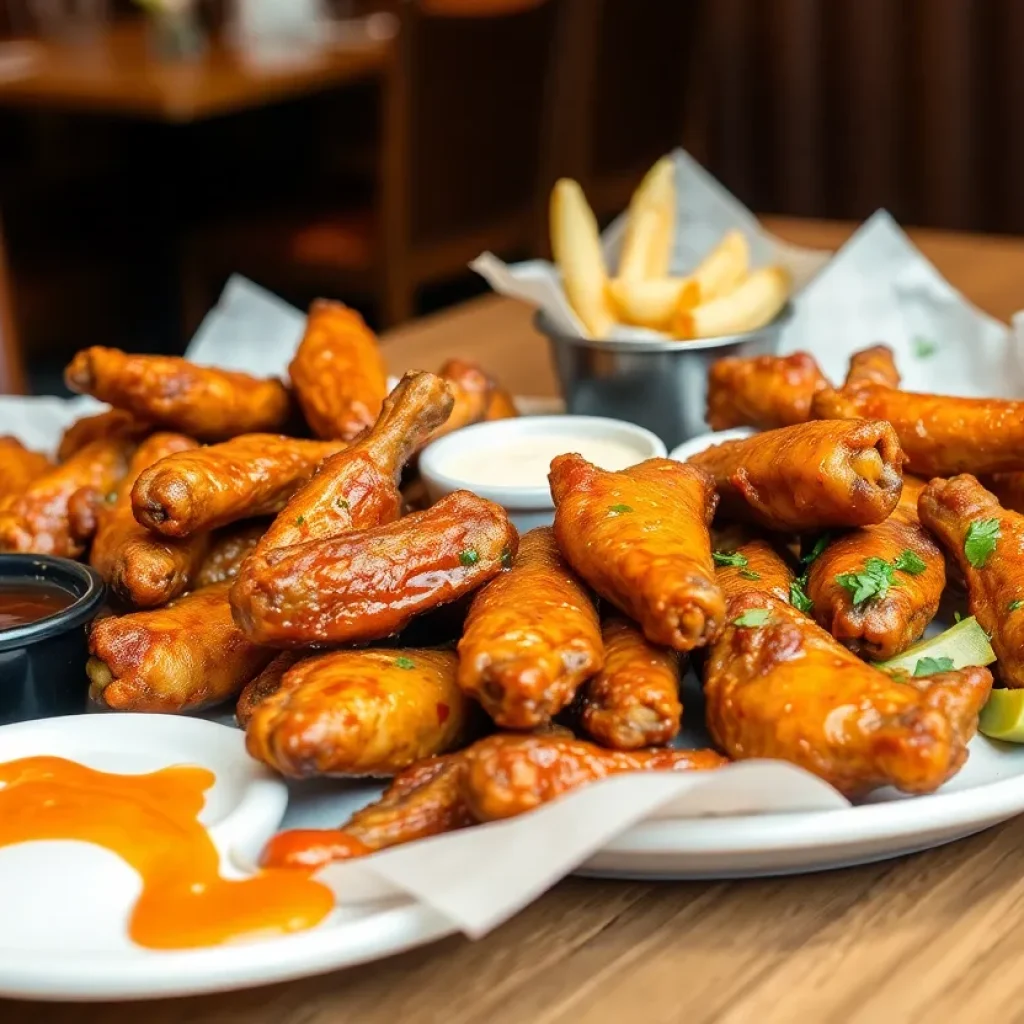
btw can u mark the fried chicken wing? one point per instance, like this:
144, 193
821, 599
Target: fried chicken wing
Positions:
1008, 488
987, 543
100, 427
640, 539
885, 621
500, 406
808, 477
338, 372
940, 435
369, 584
634, 700
266, 683
251, 475
229, 548
754, 560
169, 392
19, 466
368, 712
531, 638
762, 391
471, 389
37, 519
778, 686
184, 656
141, 567
875, 365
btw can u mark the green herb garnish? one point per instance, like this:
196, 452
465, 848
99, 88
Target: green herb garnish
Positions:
874, 581
111, 498
735, 558
342, 504
753, 618
819, 545
1014, 605
929, 666
909, 561
924, 347
506, 558
618, 510
798, 595
404, 662
300, 520
749, 574
981, 539
957, 616
468, 557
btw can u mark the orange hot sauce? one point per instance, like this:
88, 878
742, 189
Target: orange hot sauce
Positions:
152, 822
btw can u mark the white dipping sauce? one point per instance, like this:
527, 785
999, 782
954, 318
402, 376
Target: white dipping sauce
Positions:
525, 461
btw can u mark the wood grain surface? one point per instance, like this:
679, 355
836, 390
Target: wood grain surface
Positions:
931, 937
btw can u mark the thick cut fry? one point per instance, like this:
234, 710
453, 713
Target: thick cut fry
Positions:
100, 427
633, 701
883, 624
762, 391
19, 466
229, 548
647, 244
653, 302
141, 567
37, 518
724, 268
531, 638
338, 372
750, 305
186, 656
640, 539
370, 584
169, 392
810, 476
941, 435
577, 250
875, 365
370, 712
266, 683
987, 543
252, 475
778, 686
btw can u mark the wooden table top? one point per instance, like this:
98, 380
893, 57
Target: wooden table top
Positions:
927, 937
118, 74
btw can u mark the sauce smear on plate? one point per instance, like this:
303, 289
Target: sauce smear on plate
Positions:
152, 822
25, 602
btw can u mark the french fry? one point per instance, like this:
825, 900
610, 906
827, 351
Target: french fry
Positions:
577, 250
724, 267
647, 245
655, 302
753, 304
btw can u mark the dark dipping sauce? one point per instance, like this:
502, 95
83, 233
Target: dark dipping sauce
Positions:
29, 601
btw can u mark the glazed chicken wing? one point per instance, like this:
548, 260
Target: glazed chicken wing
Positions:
531, 638
251, 475
185, 656
370, 584
338, 372
1008, 488
100, 427
169, 392
500, 405
808, 477
744, 558
477, 397
19, 466
229, 548
762, 391
875, 365
876, 589
143, 568
640, 539
634, 700
987, 543
368, 712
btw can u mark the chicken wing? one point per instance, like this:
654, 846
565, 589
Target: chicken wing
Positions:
762, 391
501, 405
251, 475
185, 656
338, 372
634, 700
744, 558
531, 638
875, 365
471, 390
1008, 488
100, 427
640, 539
987, 543
940, 435
876, 589
808, 477
778, 686
368, 712
369, 584
19, 466
229, 548
143, 568
169, 392
266, 683
37, 518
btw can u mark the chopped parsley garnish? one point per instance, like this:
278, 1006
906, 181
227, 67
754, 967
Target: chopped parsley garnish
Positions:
619, 509
924, 347
404, 662
929, 666
749, 574
468, 557
819, 545
1014, 605
342, 504
506, 558
957, 616
981, 539
300, 520
874, 581
753, 618
798, 595
909, 561
735, 558
111, 498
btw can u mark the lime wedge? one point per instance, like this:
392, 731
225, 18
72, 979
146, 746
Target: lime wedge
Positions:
963, 645
1002, 717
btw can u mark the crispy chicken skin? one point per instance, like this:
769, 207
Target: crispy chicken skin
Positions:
948, 508
811, 476
531, 638
184, 656
640, 539
875, 365
100, 427
19, 466
228, 549
251, 475
762, 391
368, 712
370, 584
143, 568
37, 518
940, 435
633, 701
266, 683
880, 627
338, 372
786, 689
173, 393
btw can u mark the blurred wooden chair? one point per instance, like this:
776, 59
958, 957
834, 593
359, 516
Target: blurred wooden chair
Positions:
461, 166
12, 369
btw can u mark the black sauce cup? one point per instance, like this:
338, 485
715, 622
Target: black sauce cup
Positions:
42, 664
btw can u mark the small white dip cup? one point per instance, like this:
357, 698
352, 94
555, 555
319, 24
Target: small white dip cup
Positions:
702, 442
